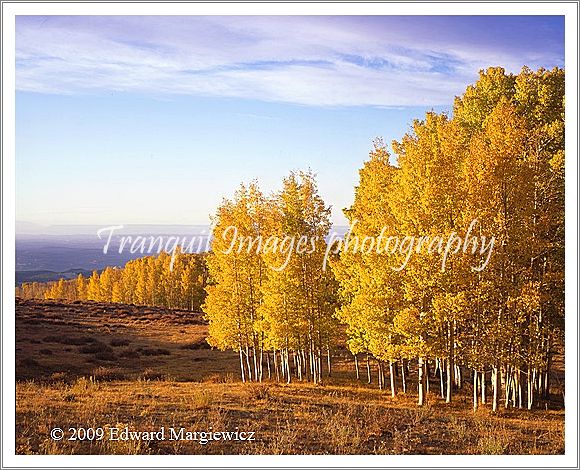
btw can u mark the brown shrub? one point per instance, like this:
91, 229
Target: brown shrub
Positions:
129, 354
94, 348
154, 351
70, 340
201, 344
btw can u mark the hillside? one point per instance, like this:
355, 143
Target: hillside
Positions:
47, 276
110, 365
69, 340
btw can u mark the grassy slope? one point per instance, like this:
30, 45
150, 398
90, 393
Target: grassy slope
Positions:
152, 369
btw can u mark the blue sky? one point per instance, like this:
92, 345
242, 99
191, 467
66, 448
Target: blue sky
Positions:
156, 119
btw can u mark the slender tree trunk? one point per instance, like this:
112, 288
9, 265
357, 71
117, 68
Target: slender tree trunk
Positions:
427, 381
508, 386
248, 364
458, 376
530, 389
475, 390
403, 376
450, 363
316, 365
547, 372
515, 388
312, 359
421, 384
356, 367
520, 391
282, 364
287, 361
329, 362
393, 379
441, 378
282, 368
295, 363
268, 363
368, 369
315, 368
383, 378
449, 377
242, 365
495, 386
255, 360
276, 371
298, 362
483, 384
379, 375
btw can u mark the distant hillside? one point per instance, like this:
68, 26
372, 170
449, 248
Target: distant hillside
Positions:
43, 275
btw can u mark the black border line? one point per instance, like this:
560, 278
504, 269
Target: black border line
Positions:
330, 2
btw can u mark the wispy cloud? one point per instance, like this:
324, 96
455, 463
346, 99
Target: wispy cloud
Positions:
320, 61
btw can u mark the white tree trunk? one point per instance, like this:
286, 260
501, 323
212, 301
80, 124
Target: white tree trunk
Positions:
530, 389
495, 386
441, 379
475, 394
393, 379
421, 381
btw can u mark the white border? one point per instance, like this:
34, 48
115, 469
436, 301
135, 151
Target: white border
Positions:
10, 10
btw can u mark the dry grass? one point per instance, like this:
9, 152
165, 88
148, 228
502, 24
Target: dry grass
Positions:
137, 341
198, 389
364, 422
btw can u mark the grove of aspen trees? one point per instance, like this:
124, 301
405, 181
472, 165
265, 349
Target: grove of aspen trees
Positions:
143, 281
497, 158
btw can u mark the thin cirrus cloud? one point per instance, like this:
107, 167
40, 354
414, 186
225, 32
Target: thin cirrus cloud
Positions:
316, 61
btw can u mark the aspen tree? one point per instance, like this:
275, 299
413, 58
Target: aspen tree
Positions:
236, 271
299, 300
369, 288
